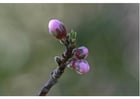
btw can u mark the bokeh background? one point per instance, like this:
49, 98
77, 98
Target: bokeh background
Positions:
110, 31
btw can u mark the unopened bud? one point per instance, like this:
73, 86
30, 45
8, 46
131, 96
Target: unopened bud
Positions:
57, 29
81, 52
80, 66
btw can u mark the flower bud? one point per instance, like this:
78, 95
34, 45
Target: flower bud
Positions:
81, 52
57, 29
80, 66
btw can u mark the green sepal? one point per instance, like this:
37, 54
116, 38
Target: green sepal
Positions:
73, 36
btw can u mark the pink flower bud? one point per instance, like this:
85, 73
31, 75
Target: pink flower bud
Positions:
57, 29
81, 52
80, 66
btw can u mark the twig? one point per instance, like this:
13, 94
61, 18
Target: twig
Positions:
56, 74
72, 57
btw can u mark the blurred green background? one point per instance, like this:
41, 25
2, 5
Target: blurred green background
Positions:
110, 31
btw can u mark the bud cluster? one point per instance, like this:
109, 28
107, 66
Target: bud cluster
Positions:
77, 62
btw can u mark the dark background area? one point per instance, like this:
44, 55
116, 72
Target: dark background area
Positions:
110, 31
